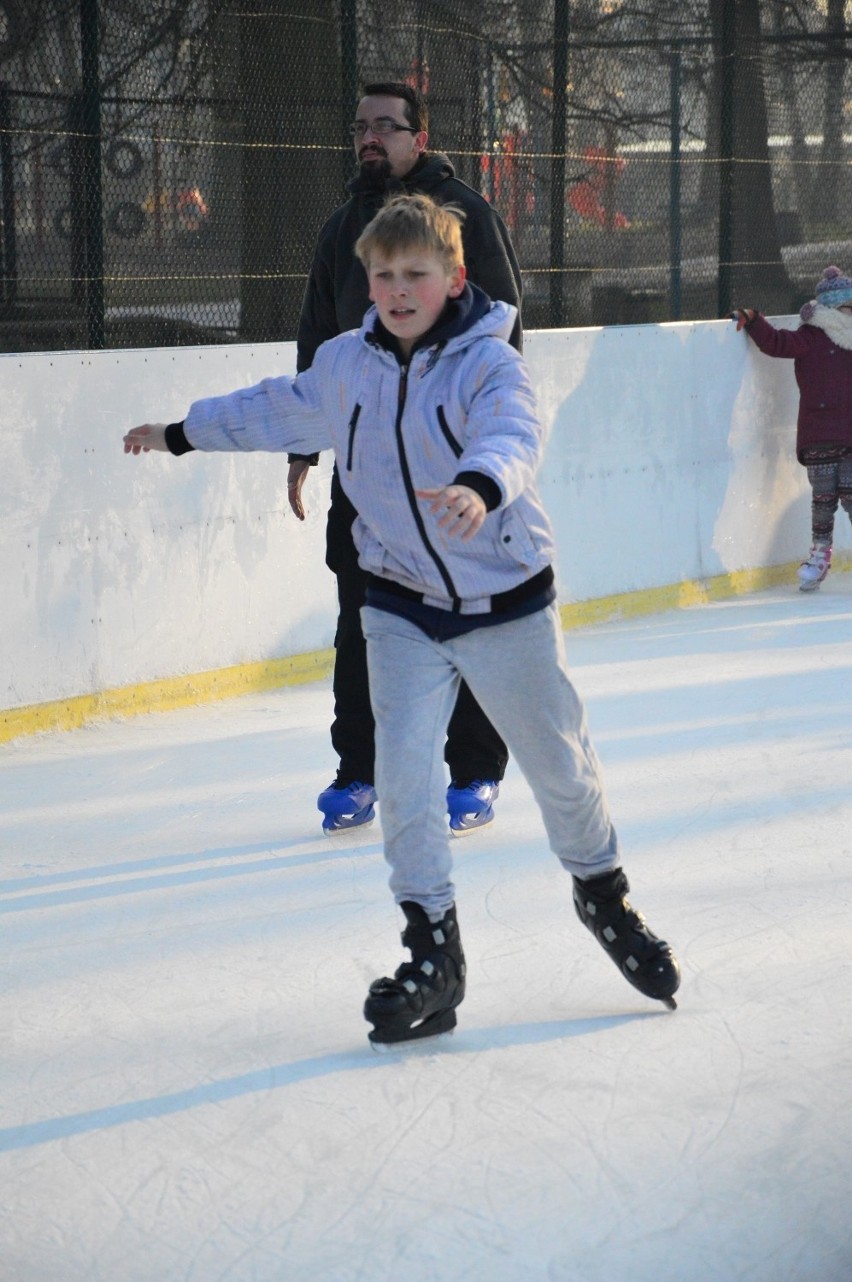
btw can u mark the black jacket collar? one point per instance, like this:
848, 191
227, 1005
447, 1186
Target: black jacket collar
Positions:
430, 170
459, 315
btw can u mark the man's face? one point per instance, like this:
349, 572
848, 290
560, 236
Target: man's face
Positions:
410, 290
382, 155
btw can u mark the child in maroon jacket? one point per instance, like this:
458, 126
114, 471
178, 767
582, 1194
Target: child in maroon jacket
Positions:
822, 351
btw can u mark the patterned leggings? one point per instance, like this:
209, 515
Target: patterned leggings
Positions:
831, 484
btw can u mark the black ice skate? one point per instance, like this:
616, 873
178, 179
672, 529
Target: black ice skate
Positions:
644, 960
421, 998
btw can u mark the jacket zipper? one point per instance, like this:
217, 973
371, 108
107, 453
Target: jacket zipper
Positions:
353, 423
412, 497
445, 428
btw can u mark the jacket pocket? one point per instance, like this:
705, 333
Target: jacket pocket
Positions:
447, 434
352, 428
515, 538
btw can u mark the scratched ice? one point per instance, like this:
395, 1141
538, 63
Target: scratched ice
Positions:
187, 1090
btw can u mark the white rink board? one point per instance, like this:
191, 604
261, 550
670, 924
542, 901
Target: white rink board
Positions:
670, 458
120, 570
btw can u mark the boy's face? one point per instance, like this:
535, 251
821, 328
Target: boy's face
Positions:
410, 290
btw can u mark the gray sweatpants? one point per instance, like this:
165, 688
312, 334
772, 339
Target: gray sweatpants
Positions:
518, 674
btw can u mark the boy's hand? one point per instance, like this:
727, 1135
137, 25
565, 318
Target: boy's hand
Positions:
296, 474
150, 436
463, 509
743, 316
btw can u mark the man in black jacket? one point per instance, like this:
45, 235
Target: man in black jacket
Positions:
390, 135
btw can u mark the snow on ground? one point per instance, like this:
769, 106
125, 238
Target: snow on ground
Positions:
187, 1090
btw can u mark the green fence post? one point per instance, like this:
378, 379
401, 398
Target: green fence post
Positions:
349, 87
90, 129
557, 163
8, 247
726, 155
674, 188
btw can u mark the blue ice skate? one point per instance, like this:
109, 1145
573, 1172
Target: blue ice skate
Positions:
471, 806
347, 805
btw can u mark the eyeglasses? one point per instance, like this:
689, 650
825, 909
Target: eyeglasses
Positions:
384, 125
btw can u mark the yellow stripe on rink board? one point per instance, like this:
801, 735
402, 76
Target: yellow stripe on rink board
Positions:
249, 678
677, 596
166, 694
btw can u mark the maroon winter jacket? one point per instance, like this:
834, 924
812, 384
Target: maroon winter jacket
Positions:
824, 374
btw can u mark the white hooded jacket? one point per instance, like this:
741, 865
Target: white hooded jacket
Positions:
466, 406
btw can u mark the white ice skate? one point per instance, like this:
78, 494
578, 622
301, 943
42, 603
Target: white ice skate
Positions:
813, 571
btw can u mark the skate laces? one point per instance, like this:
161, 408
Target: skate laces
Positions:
818, 558
351, 786
346, 798
473, 787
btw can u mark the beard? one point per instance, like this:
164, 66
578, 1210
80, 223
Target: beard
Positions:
375, 171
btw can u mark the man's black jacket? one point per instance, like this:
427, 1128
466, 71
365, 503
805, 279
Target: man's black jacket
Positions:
337, 294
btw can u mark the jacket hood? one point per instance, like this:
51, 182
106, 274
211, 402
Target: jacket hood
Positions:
837, 325
431, 170
471, 316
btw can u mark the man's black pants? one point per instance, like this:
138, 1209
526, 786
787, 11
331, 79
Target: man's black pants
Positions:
474, 749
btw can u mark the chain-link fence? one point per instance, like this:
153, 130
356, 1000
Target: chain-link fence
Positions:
164, 169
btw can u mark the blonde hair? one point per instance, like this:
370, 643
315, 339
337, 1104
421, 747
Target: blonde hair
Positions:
414, 222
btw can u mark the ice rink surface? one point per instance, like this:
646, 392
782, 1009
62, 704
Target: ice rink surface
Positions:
188, 1094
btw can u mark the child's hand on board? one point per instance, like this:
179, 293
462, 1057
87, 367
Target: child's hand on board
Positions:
743, 316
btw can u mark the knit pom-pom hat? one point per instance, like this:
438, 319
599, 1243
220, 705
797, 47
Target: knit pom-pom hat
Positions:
833, 290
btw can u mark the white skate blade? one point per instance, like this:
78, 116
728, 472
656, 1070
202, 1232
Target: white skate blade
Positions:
346, 830
412, 1045
464, 830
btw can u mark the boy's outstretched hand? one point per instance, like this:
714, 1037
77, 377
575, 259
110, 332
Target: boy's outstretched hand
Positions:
150, 436
463, 509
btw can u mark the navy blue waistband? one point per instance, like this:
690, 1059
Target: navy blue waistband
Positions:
443, 625
501, 602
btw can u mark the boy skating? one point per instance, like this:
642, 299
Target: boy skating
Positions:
437, 440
